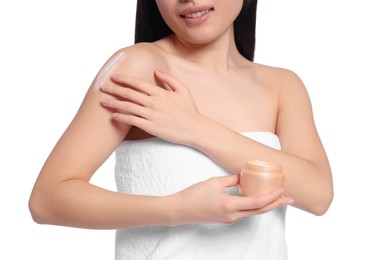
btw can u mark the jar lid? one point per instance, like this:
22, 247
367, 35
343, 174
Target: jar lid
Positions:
263, 166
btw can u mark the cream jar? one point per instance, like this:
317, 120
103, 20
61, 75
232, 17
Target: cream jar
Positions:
259, 177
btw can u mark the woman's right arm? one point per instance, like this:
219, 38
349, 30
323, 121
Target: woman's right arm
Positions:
63, 195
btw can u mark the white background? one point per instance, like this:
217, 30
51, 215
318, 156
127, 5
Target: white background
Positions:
51, 50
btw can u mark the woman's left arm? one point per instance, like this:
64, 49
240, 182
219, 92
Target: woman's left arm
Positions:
169, 113
303, 158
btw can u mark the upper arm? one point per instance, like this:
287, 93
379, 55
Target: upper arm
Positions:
88, 141
295, 124
93, 135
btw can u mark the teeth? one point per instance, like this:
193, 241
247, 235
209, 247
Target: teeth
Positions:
197, 14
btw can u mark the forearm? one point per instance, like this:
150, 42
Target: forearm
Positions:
77, 203
308, 182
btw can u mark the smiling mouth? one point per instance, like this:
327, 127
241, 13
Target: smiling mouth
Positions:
197, 14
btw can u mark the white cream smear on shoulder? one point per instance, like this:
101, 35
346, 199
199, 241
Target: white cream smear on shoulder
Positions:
107, 70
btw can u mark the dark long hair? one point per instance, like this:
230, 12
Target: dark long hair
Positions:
150, 26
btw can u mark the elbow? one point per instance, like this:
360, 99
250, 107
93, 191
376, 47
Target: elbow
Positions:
322, 205
320, 211
37, 209
316, 203
323, 196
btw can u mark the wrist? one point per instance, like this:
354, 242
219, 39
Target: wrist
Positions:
200, 131
175, 210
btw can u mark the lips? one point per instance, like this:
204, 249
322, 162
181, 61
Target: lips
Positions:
196, 12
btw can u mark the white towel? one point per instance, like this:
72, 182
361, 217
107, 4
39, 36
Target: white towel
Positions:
156, 167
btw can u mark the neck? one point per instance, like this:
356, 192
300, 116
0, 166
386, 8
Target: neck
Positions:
220, 55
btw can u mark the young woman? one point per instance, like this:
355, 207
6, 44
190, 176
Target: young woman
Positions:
184, 109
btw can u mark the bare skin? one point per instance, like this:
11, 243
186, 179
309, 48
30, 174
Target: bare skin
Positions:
265, 99
202, 98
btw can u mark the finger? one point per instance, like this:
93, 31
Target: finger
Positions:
126, 93
136, 83
257, 202
281, 202
125, 107
228, 181
132, 120
162, 84
173, 83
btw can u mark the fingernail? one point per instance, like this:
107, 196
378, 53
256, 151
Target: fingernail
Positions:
116, 116
115, 76
105, 102
289, 201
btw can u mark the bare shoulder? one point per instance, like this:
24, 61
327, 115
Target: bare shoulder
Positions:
137, 58
280, 78
283, 82
140, 50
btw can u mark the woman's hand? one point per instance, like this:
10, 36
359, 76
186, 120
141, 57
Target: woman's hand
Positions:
167, 111
207, 202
